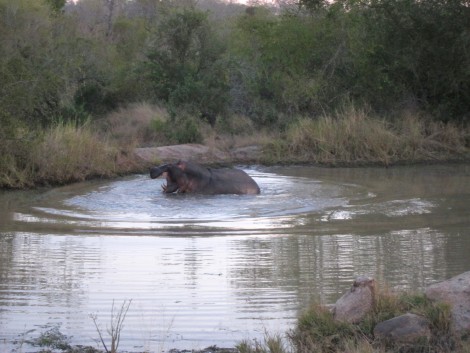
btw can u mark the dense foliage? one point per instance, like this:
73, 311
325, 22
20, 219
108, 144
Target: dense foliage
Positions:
64, 61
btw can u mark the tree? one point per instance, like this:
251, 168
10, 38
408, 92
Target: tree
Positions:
289, 64
419, 49
186, 64
30, 86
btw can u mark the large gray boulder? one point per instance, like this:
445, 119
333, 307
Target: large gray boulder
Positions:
187, 152
198, 153
354, 305
404, 329
455, 292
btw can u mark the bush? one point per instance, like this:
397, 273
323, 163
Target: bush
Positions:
183, 129
15, 170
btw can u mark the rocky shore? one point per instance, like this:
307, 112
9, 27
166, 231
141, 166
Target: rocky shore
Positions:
407, 328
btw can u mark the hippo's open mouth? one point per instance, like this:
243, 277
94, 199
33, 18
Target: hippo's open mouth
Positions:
188, 177
170, 186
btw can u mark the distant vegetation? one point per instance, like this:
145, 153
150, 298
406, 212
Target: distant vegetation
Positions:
389, 79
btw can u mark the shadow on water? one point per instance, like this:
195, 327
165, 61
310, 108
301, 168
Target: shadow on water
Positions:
205, 270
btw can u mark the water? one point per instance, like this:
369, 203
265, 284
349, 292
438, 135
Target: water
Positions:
204, 270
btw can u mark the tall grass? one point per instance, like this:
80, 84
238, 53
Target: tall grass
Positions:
354, 136
139, 124
70, 153
63, 153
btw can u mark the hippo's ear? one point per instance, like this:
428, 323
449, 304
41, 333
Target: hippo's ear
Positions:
155, 172
180, 164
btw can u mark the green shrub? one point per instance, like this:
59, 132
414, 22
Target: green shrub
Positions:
317, 331
183, 129
186, 66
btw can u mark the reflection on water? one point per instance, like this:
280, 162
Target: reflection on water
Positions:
204, 270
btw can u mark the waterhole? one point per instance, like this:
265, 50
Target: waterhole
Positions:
204, 270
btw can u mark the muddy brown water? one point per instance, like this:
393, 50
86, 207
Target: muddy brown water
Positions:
205, 270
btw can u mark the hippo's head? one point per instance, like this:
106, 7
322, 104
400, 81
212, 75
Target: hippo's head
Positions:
180, 176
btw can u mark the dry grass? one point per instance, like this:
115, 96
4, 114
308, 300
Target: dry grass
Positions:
140, 124
425, 139
62, 154
353, 136
69, 153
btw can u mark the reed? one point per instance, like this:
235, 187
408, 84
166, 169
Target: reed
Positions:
115, 329
68, 152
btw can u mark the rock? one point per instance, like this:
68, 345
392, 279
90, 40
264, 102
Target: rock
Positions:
198, 153
455, 292
404, 329
354, 305
246, 154
187, 152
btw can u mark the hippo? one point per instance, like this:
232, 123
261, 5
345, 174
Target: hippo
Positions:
189, 177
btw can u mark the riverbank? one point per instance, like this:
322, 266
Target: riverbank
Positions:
67, 152
348, 138
255, 154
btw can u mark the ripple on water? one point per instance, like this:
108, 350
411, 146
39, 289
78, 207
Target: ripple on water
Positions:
207, 270
138, 205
